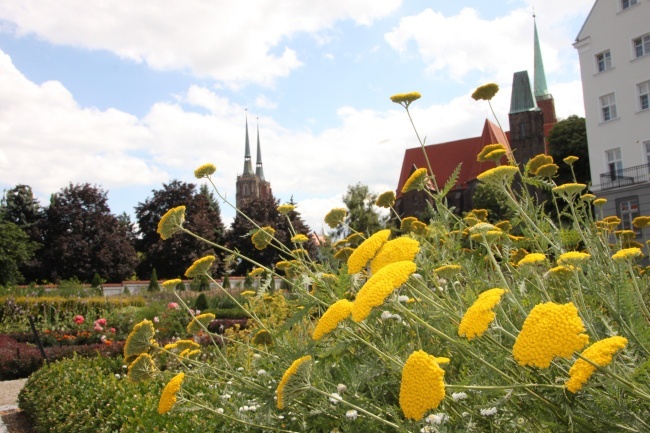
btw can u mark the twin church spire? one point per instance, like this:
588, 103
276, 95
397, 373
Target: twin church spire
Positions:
248, 165
252, 185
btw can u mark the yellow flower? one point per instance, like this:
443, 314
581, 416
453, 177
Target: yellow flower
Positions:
532, 259
171, 222
335, 217
407, 223
168, 397
397, 250
355, 238
405, 99
290, 378
335, 314
538, 161
480, 214
143, 368
478, 317
140, 339
447, 271
299, 238
419, 228
485, 92
498, 175
263, 237
256, 272
205, 170
375, 291
627, 254
199, 322
386, 199
641, 221
568, 190
366, 251
263, 337
569, 160
488, 236
285, 208
547, 170
189, 353
625, 234
247, 293
415, 181
200, 267
573, 258
343, 253
182, 345
550, 330
504, 226
561, 271
171, 284
422, 387
587, 197
487, 153
600, 353
600, 201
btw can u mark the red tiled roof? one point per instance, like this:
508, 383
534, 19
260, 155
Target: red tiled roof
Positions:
445, 157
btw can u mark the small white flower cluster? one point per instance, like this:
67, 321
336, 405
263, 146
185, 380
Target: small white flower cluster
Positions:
386, 315
351, 414
402, 298
489, 412
341, 388
457, 396
437, 418
335, 397
261, 372
251, 408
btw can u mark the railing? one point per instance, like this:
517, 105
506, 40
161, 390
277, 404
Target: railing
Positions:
625, 177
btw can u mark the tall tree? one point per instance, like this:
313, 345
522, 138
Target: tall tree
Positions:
263, 212
568, 137
15, 249
81, 237
173, 256
362, 214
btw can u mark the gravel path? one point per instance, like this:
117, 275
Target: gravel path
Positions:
9, 392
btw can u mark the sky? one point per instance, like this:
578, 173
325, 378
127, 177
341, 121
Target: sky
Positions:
128, 95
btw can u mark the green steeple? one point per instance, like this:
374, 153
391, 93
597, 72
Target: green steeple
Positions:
522, 96
248, 166
540, 76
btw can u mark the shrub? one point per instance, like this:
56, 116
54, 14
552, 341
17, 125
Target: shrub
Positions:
201, 302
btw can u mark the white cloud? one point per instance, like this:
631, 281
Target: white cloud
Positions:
265, 103
234, 42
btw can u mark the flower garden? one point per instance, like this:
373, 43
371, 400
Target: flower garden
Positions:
538, 323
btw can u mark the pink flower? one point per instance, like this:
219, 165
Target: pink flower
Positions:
100, 322
156, 319
102, 338
173, 306
78, 319
98, 328
113, 330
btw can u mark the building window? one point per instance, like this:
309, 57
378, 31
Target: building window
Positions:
614, 163
646, 147
627, 3
642, 45
627, 209
604, 61
644, 95
608, 107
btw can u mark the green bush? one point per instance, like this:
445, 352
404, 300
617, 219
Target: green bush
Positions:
201, 302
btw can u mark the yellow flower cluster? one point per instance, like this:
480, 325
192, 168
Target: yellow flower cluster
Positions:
447, 271
335, 217
491, 152
532, 259
343, 253
335, 314
182, 345
263, 337
200, 267
171, 222
641, 221
140, 339
485, 92
199, 322
205, 170
422, 387
143, 368
478, 317
386, 199
415, 181
547, 170
397, 250
168, 397
600, 353
263, 237
256, 272
299, 238
379, 286
171, 284
550, 330
600, 201
290, 376
568, 190
569, 160
498, 175
285, 208
366, 251
627, 254
538, 161
405, 99
573, 258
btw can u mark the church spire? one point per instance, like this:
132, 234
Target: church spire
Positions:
540, 76
259, 171
248, 166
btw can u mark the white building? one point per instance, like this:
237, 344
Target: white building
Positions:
614, 50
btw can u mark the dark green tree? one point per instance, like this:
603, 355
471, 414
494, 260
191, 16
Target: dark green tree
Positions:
494, 201
174, 255
96, 283
568, 137
362, 213
201, 302
264, 212
15, 249
81, 236
153, 282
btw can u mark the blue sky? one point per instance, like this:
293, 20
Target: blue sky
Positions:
128, 95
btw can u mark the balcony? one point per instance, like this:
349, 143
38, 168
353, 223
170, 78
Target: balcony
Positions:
625, 177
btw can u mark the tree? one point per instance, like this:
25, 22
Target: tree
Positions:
362, 215
15, 249
81, 237
568, 137
263, 211
494, 201
173, 256
153, 282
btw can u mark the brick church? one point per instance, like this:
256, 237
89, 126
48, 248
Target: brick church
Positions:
531, 117
252, 185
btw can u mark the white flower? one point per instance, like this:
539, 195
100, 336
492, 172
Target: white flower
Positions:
402, 298
117, 376
397, 317
257, 355
219, 410
156, 319
457, 396
341, 388
385, 315
335, 397
240, 368
261, 372
489, 412
351, 414
437, 418
226, 396
280, 416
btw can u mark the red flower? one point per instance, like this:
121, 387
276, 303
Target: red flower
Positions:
78, 319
